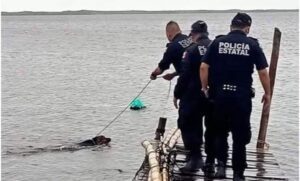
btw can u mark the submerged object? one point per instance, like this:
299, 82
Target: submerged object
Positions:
137, 104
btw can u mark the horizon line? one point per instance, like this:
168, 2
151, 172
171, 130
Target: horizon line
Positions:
34, 11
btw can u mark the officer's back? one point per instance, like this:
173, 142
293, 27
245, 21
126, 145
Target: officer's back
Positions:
188, 87
178, 42
189, 82
174, 52
234, 63
230, 62
198, 50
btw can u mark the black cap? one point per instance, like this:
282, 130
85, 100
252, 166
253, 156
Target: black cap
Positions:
241, 19
199, 27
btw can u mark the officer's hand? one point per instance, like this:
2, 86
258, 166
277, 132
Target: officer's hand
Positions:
175, 100
205, 91
169, 76
266, 99
153, 76
155, 73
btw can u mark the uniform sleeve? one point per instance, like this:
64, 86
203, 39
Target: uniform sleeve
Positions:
208, 56
260, 60
167, 59
183, 80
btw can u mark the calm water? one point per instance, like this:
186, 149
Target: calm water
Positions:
65, 77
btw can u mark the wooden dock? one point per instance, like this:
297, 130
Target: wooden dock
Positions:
261, 166
165, 156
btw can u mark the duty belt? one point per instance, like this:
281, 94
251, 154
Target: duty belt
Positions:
228, 87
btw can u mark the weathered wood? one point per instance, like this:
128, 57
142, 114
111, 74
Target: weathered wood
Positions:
164, 163
261, 166
160, 128
272, 72
165, 172
154, 173
171, 139
150, 168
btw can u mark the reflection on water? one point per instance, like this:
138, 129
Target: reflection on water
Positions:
260, 165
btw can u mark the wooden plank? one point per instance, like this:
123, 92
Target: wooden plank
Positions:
251, 158
180, 147
261, 166
229, 175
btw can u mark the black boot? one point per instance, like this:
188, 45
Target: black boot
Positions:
238, 176
221, 170
194, 164
209, 170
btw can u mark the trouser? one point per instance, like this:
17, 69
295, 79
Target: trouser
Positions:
210, 133
233, 114
190, 124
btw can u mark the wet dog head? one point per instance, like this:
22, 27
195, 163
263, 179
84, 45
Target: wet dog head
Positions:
101, 140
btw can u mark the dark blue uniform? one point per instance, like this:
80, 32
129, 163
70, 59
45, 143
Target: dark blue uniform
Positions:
192, 101
174, 52
231, 59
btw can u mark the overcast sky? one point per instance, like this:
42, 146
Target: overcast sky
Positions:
60, 5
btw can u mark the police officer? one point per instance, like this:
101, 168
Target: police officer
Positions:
178, 42
192, 103
230, 61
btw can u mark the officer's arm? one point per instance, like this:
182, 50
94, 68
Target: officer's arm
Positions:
265, 81
184, 78
261, 66
164, 63
155, 73
170, 76
167, 59
203, 69
204, 75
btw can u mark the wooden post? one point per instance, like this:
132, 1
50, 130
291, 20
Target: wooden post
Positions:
272, 73
160, 128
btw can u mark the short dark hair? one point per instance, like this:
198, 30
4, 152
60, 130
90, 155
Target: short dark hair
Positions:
241, 20
172, 23
199, 27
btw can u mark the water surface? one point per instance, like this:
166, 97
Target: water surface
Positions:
65, 77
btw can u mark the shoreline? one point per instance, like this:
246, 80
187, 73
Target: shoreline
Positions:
92, 12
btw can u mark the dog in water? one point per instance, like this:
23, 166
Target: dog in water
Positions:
97, 140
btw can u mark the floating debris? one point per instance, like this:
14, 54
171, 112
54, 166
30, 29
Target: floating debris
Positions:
137, 104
